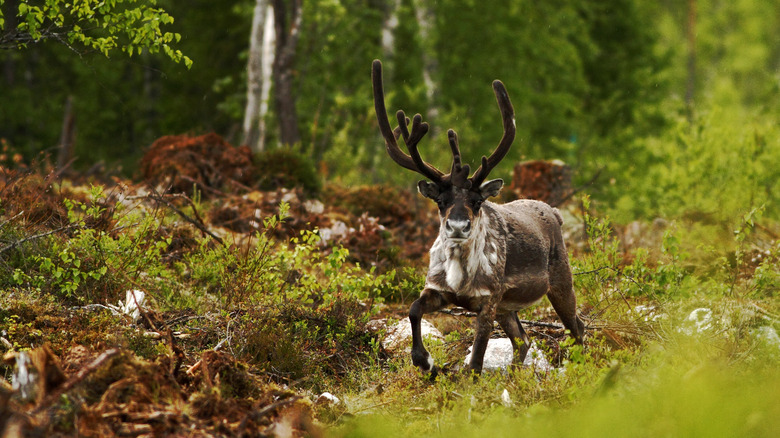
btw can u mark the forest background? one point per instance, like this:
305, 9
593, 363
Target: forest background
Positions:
259, 300
671, 106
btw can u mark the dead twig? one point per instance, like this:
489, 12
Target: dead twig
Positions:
197, 223
593, 271
6, 222
580, 188
36, 236
75, 380
459, 311
267, 410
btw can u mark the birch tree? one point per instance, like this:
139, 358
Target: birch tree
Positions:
261, 54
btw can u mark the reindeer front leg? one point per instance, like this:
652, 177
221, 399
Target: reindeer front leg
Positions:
430, 301
484, 327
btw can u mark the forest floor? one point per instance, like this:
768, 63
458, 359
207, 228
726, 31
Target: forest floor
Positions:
266, 313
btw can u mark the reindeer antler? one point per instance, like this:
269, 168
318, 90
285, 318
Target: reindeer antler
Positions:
508, 119
419, 129
458, 176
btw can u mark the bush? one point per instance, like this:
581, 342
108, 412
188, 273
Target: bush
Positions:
285, 167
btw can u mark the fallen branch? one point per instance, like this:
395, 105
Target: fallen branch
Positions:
197, 223
260, 414
593, 271
75, 380
2, 225
458, 311
36, 236
580, 188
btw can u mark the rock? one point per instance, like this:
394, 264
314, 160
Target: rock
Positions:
536, 359
648, 313
399, 335
327, 398
335, 232
313, 206
699, 320
499, 355
134, 300
769, 335
506, 399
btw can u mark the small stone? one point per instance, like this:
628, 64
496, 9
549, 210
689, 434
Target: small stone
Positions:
698, 320
506, 399
499, 356
399, 335
327, 398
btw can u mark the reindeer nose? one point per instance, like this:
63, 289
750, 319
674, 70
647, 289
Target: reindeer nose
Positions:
458, 228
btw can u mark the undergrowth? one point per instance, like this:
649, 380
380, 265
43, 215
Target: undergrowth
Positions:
674, 327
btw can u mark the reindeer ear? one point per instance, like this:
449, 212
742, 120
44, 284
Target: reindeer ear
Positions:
428, 189
491, 188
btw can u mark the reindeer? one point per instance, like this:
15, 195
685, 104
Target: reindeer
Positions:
488, 258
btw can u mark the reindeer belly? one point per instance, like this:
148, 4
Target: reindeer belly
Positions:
524, 291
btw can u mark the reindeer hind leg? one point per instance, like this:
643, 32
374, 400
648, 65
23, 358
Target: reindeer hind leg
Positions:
512, 327
564, 301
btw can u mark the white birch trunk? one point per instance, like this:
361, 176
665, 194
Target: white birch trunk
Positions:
388, 29
254, 77
424, 16
269, 45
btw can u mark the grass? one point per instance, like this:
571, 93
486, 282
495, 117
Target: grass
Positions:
685, 386
285, 309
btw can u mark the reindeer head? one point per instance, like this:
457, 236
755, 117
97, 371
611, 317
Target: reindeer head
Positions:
458, 196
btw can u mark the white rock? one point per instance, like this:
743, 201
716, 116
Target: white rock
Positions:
335, 232
506, 399
289, 196
649, 313
134, 300
327, 398
698, 320
536, 359
499, 355
25, 376
399, 335
769, 335
313, 206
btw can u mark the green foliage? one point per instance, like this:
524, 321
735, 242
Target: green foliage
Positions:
269, 272
606, 275
92, 265
710, 171
128, 25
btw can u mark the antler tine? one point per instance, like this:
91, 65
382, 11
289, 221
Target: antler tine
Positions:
460, 173
452, 136
391, 145
508, 120
419, 129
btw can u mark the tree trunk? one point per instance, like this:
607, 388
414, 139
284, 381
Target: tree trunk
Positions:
548, 181
254, 83
425, 18
287, 25
67, 135
388, 29
269, 41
